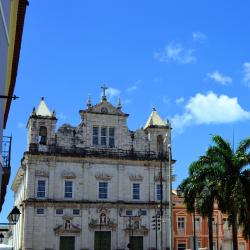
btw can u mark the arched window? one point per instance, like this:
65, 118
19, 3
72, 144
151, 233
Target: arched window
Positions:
160, 144
43, 135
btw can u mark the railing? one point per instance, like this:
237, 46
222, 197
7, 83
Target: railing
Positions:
99, 152
6, 151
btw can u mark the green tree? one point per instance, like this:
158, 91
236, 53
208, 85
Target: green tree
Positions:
235, 180
200, 191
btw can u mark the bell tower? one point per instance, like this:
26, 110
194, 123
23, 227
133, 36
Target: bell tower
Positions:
41, 127
159, 133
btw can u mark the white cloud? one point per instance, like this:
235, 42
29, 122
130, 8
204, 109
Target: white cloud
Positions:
180, 100
112, 92
21, 125
175, 53
199, 36
134, 87
210, 109
246, 71
218, 77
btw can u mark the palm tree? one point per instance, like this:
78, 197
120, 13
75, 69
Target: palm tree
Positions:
200, 191
235, 179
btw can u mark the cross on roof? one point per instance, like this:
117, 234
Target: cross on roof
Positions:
104, 88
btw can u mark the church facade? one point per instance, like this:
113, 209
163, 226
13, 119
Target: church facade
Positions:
94, 186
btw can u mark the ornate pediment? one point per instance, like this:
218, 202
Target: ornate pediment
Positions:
103, 176
67, 228
136, 177
68, 175
104, 107
42, 173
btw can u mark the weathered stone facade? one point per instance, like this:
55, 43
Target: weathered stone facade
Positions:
79, 183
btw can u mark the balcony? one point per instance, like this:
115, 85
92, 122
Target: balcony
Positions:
98, 152
6, 156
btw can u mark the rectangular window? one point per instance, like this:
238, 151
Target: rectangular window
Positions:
143, 212
59, 211
158, 192
95, 135
181, 223
129, 212
40, 211
41, 188
111, 137
103, 136
197, 224
103, 190
68, 189
181, 246
76, 211
136, 191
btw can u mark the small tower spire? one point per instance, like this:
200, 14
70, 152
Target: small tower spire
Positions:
104, 88
89, 102
119, 106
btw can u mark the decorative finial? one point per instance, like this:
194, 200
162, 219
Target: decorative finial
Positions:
104, 88
34, 111
42, 98
119, 106
54, 113
154, 109
89, 102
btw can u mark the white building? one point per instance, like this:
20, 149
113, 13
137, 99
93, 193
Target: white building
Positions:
94, 186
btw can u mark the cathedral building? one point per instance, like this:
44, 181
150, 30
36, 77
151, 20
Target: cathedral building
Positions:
96, 186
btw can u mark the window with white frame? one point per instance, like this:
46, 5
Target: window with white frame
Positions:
181, 223
103, 190
158, 191
103, 136
129, 212
214, 245
40, 211
242, 246
95, 135
197, 224
136, 191
59, 211
111, 137
76, 212
41, 188
68, 189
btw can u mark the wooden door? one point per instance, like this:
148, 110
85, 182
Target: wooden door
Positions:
103, 240
67, 243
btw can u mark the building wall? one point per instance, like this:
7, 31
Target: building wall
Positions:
222, 235
62, 158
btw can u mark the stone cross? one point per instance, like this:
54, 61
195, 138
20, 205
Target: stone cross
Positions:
104, 88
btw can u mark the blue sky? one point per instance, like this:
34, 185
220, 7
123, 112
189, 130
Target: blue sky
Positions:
189, 59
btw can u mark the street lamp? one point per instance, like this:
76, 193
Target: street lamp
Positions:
13, 217
170, 197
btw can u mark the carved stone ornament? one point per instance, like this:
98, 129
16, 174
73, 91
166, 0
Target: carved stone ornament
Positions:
67, 227
135, 177
143, 230
103, 176
109, 225
158, 178
68, 175
42, 173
